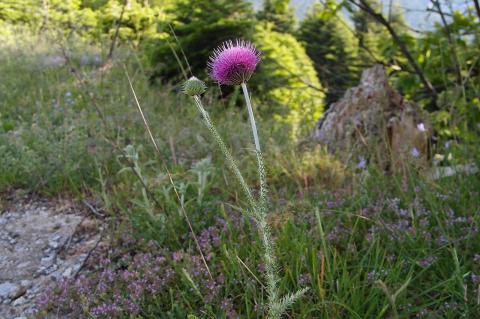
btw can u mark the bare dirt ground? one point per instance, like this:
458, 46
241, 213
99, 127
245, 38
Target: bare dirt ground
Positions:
41, 242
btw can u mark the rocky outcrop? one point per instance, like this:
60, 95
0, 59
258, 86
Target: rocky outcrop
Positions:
41, 243
372, 122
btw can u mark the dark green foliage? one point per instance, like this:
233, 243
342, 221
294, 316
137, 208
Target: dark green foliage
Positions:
367, 32
374, 41
286, 80
331, 46
458, 113
279, 13
200, 26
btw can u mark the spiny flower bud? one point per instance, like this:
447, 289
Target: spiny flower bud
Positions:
194, 86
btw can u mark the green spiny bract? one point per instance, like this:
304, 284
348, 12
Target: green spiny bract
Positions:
194, 86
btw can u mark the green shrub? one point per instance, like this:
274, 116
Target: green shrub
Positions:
333, 49
287, 83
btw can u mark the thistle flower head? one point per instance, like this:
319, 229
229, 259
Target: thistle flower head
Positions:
233, 63
194, 86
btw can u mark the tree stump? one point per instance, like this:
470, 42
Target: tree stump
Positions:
373, 123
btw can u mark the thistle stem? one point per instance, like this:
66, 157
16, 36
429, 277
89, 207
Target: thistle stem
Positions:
258, 210
250, 115
261, 219
261, 166
225, 151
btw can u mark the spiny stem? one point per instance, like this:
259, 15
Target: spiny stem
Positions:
258, 208
261, 219
225, 151
270, 262
250, 115
263, 180
276, 304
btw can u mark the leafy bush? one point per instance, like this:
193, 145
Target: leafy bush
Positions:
287, 83
280, 14
333, 49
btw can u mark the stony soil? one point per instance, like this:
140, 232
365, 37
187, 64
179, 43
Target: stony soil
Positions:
41, 242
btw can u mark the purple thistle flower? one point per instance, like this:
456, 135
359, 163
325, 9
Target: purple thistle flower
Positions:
233, 63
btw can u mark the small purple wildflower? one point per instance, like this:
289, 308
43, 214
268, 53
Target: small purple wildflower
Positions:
421, 127
377, 274
442, 240
475, 279
131, 307
422, 314
145, 274
476, 258
225, 304
423, 222
362, 163
209, 238
233, 63
212, 290
304, 279
330, 204
105, 309
261, 267
414, 152
403, 212
450, 306
371, 275
177, 256
427, 261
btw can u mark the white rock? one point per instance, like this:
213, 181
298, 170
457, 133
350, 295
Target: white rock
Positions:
53, 244
6, 289
17, 292
47, 261
19, 301
67, 272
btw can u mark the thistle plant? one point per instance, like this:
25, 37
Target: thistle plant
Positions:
233, 64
